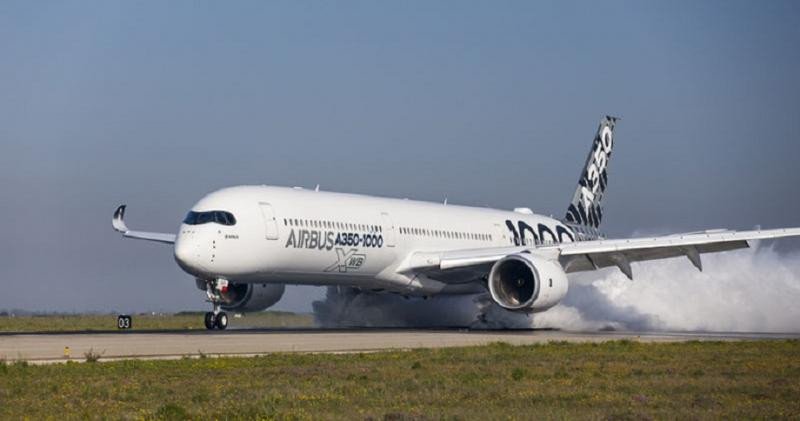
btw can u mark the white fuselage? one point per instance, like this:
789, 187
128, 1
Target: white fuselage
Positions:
297, 236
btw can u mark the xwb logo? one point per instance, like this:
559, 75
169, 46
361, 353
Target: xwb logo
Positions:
347, 260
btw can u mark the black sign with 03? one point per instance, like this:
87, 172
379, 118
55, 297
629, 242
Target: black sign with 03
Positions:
124, 321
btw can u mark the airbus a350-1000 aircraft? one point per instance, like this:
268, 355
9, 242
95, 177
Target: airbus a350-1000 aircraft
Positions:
244, 244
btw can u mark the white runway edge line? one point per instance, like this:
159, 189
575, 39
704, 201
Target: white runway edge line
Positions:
49, 348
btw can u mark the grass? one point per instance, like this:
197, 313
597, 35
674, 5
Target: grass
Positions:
187, 320
614, 380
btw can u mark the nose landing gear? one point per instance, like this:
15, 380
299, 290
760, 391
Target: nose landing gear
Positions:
216, 319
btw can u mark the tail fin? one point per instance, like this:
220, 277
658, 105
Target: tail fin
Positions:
586, 207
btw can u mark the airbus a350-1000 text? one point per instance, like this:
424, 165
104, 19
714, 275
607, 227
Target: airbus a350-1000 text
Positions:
244, 244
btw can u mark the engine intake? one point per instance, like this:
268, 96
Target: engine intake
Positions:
251, 297
527, 282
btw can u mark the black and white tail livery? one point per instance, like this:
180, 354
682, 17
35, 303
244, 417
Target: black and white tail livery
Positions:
586, 207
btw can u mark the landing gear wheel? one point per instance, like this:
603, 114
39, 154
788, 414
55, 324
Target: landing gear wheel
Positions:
214, 290
221, 321
209, 320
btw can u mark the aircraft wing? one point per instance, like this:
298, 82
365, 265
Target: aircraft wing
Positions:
592, 255
118, 222
589, 255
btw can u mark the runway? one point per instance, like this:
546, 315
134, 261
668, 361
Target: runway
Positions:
60, 347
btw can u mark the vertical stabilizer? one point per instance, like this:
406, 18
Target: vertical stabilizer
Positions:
586, 207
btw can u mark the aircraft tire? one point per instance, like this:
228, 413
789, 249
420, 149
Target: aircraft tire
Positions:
209, 320
221, 321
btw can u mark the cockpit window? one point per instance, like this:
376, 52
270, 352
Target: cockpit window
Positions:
219, 217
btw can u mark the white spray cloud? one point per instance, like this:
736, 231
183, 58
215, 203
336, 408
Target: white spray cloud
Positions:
751, 290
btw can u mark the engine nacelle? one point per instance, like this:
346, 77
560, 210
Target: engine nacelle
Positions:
251, 297
527, 282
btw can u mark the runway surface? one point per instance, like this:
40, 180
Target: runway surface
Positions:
50, 347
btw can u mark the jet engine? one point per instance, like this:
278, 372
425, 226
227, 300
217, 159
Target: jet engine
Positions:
250, 297
527, 282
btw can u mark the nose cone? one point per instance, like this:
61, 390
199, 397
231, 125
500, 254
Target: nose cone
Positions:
187, 256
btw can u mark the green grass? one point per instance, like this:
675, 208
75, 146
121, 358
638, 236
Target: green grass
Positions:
79, 322
614, 380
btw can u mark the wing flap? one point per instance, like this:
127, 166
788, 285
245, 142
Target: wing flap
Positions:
591, 261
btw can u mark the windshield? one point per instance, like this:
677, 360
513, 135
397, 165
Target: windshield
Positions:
219, 217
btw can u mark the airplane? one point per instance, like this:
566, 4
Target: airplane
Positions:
243, 244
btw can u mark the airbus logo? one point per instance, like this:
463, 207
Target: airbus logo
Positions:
347, 260
326, 240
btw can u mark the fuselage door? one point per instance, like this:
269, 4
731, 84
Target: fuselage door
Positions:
388, 229
500, 235
270, 223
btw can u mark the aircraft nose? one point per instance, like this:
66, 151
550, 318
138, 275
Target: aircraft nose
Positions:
186, 255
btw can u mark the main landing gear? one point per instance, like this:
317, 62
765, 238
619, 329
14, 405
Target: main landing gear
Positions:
216, 319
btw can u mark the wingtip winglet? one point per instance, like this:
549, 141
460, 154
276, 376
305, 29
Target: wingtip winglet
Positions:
118, 221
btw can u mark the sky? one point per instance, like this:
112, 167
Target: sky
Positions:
155, 104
